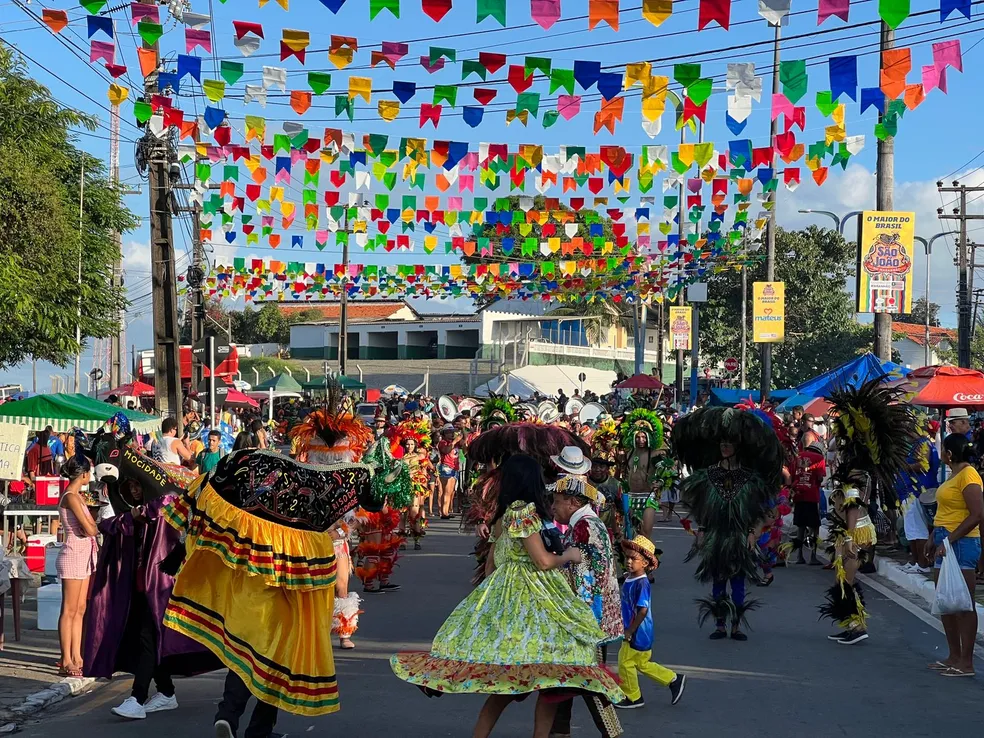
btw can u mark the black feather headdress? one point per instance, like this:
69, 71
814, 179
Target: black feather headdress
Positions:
875, 429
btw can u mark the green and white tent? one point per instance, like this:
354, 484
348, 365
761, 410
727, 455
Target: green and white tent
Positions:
66, 411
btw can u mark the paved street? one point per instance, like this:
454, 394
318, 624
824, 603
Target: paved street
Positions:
780, 683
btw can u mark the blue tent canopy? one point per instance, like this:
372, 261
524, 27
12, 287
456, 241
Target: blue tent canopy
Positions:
852, 374
721, 397
796, 400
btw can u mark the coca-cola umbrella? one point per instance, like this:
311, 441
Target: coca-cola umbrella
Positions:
948, 386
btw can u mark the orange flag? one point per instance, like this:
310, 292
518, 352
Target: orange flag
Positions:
300, 101
602, 10
56, 20
148, 61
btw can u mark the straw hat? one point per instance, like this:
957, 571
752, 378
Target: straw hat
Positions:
575, 485
645, 548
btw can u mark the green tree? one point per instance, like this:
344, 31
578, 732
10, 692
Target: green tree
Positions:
918, 314
816, 266
40, 176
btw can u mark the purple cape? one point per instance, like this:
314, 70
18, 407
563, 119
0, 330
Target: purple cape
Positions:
112, 638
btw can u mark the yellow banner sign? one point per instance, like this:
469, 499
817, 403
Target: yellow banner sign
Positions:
681, 328
768, 312
884, 282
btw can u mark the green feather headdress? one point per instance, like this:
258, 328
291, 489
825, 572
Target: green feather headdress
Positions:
497, 411
642, 421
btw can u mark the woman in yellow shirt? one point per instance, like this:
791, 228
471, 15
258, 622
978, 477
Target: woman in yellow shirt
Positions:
960, 511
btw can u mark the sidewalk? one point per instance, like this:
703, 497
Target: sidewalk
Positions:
29, 680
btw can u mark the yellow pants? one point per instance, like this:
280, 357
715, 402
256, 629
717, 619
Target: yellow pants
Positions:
631, 662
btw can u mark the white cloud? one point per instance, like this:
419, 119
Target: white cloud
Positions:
854, 189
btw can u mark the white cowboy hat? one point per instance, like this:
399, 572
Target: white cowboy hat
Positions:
957, 413
572, 461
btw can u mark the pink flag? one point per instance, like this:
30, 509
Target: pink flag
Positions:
568, 106
105, 50
827, 8
781, 106
466, 183
194, 37
545, 12
143, 11
431, 68
947, 54
932, 77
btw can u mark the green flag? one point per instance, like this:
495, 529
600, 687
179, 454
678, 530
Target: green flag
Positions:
492, 9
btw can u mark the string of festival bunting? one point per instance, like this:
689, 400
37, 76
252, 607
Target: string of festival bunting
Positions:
559, 222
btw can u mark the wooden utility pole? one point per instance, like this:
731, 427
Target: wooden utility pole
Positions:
682, 235
770, 237
167, 356
885, 200
965, 264
117, 340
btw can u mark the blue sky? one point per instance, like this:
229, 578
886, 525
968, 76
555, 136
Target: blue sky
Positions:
936, 140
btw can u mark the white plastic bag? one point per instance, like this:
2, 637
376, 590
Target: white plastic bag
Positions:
952, 595
915, 523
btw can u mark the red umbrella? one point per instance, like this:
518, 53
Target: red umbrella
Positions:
642, 381
235, 398
133, 389
947, 386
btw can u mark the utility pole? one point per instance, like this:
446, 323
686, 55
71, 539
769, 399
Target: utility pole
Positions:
167, 356
884, 200
78, 314
116, 349
343, 301
743, 376
770, 238
682, 231
964, 268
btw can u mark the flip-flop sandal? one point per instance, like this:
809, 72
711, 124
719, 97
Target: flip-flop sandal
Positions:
939, 666
955, 673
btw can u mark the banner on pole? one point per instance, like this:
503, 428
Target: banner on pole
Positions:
681, 328
884, 281
13, 445
768, 312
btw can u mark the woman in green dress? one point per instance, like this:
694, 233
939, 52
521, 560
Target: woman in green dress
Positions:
522, 630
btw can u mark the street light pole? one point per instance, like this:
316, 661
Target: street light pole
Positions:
837, 219
928, 246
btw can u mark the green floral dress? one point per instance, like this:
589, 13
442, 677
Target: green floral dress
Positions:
520, 631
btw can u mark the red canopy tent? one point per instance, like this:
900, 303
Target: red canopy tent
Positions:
133, 389
642, 381
947, 386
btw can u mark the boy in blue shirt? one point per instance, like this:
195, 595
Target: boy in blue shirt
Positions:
637, 648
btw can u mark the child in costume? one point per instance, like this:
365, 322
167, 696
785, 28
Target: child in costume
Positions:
636, 653
522, 630
736, 462
874, 430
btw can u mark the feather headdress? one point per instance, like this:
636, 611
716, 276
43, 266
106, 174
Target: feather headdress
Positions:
697, 439
332, 430
875, 429
642, 421
419, 429
497, 411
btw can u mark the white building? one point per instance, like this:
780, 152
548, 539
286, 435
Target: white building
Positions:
909, 339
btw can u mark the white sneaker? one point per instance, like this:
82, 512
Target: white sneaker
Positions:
908, 568
160, 703
223, 729
130, 709
922, 569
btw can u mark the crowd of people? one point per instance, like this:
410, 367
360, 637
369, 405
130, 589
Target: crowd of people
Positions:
562, 513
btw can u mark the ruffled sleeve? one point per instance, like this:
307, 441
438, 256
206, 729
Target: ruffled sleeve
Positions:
521, 521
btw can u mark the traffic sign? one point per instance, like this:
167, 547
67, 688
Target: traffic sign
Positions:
731, 365
221, 388
582, 377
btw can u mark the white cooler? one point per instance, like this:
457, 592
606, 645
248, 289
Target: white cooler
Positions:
49, 606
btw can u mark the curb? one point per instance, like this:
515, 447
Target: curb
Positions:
916, 584
38, 701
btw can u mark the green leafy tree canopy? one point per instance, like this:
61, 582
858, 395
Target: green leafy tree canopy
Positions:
40, 241
816, 265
